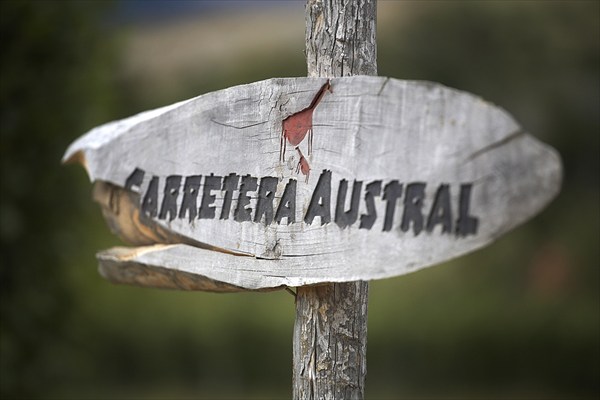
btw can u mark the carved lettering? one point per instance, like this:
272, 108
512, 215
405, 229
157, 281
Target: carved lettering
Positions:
320, 203
267, 210
134, 181
391, 194
150, 202
242, 213
190, 194
207, 210
466, 224
230, 183
169, 203
441, 212
287, 204
264, 204
413, 202
346, 218
367, 220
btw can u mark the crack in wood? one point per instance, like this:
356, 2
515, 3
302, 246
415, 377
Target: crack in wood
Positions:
121, 209
383, 86
502, 142
238, 127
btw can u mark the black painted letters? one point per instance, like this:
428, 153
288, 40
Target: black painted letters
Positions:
287, 204
241, 212
346, 218
190, 194
423, 207
320, 203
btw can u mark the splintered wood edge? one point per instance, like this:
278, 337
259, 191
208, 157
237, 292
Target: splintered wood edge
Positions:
118, 265
185, 267
120, 208
121, 211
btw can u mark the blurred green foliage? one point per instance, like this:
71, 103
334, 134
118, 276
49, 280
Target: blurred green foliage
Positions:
52, 85
519, 319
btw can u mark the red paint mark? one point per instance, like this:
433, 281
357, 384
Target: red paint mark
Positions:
295, 128
303, 165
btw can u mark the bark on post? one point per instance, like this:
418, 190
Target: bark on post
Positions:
330, 331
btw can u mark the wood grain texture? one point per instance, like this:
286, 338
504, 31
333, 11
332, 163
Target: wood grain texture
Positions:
369, 129
330, 329
330, 341
341, 38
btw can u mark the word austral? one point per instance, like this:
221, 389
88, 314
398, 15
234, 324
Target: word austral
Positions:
269, 200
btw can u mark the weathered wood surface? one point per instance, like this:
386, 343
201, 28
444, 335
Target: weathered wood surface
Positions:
330, 341
464, 165
330, 328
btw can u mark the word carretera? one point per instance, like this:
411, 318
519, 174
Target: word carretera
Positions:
195, 197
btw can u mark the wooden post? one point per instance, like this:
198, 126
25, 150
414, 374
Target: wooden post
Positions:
330, 330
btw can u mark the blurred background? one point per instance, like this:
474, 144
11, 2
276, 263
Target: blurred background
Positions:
519, 319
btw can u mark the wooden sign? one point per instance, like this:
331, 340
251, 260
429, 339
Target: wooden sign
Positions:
301, 181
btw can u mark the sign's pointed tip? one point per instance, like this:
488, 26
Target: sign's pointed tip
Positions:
76, 157
71, 157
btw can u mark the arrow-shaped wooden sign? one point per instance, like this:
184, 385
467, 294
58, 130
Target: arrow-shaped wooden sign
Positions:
291, 182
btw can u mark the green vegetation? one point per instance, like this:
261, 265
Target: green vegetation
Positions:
518, 319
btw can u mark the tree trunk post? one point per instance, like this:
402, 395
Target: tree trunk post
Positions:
330, 330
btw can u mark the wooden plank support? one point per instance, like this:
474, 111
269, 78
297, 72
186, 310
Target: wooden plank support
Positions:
330, 330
